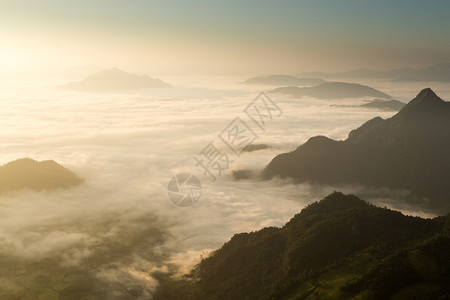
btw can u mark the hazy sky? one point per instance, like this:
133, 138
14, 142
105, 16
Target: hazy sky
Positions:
223, 37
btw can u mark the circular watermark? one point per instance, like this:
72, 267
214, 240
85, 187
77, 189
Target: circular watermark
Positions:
184, 189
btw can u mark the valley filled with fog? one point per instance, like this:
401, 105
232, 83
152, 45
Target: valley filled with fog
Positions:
119, 227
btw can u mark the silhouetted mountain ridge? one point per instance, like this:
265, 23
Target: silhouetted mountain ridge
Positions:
426, 101
407, 151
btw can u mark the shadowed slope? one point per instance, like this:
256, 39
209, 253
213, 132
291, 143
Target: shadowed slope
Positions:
408, 151
338, 248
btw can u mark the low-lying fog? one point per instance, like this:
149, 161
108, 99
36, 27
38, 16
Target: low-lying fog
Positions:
119, 226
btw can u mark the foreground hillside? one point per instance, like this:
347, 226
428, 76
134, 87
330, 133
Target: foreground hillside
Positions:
338, 248
409, 151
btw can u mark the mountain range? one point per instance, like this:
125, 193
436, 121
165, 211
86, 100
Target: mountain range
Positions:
338, 248
26, 173
283, 80
331, 90
409, 151
112, 80
438, 73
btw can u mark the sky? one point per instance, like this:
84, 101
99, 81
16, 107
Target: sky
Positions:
223, 37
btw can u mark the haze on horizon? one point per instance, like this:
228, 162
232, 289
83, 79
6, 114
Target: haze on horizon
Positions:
216, 37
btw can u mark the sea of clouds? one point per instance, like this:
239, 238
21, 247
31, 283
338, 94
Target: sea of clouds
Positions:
119, 227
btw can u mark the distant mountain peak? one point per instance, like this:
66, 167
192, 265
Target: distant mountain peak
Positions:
114, 79
112, 72
27, 173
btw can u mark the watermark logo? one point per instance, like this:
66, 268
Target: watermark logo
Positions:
262, 109
214, 160
184, 189
237, 135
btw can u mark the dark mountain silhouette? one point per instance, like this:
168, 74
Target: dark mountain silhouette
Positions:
439, 73
409, 151
114, 80
27, 173
331, 90
283, 80
338, 248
